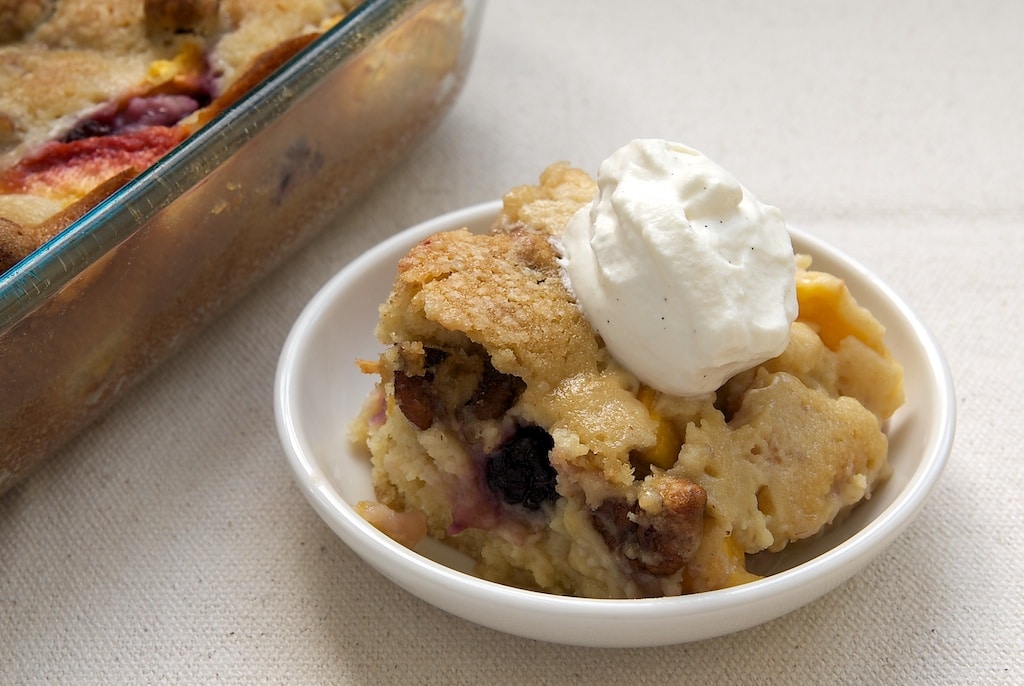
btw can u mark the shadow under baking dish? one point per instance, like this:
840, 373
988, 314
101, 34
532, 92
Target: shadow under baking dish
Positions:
319, 390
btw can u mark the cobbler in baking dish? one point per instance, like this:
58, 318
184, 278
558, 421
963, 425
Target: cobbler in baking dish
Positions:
93, 93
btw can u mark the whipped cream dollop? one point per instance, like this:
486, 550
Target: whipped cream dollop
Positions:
687, 277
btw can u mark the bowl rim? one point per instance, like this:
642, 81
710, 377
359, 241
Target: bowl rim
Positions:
857, 550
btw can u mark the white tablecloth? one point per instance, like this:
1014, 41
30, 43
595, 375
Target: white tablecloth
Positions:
168, 542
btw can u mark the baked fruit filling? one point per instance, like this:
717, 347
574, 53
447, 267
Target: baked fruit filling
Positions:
502, 426
130, 133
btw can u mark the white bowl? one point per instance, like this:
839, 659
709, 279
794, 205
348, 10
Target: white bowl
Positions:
319, 390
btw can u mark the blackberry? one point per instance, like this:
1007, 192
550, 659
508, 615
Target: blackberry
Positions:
519, 471
94, 127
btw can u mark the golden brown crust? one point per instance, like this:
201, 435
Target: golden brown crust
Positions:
17, 240
547, 206
15, 243
501, 291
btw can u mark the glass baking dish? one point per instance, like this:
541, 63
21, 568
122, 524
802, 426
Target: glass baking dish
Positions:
105, 301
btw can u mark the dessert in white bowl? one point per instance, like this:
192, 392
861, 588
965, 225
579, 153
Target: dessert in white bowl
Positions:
626, 403
337, 479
